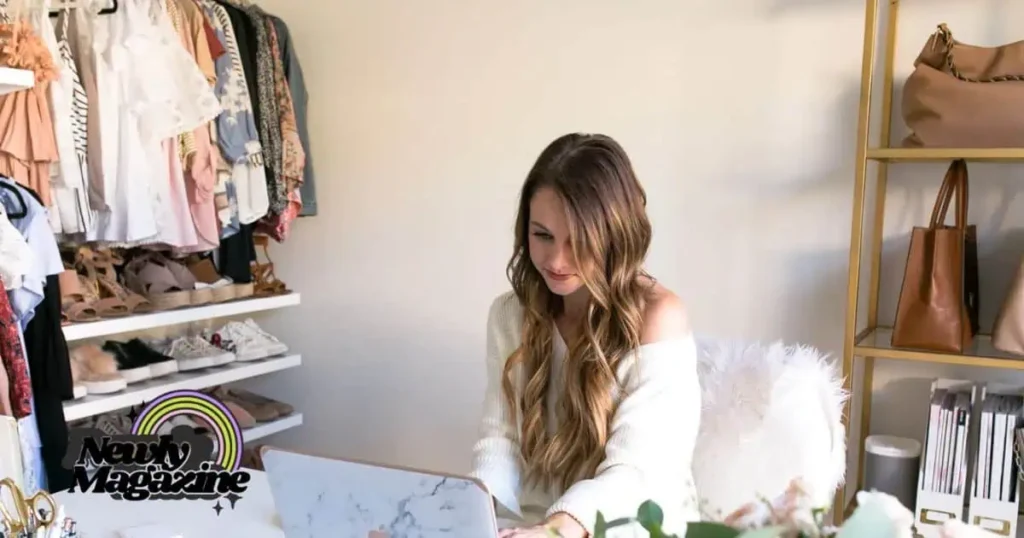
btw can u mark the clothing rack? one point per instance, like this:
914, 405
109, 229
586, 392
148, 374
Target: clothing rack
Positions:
59, 244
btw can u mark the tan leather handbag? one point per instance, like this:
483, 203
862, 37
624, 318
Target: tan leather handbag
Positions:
1008, 331
964, 96
938, 304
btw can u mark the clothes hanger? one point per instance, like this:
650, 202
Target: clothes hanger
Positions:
73, 4
21, 200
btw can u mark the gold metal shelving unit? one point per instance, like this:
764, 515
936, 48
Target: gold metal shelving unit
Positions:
873, 342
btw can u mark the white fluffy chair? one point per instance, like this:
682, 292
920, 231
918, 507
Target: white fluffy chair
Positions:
771, 413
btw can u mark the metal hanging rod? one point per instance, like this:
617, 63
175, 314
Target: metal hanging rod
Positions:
72, 4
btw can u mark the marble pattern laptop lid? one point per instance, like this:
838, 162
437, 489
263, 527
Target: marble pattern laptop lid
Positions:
319, 497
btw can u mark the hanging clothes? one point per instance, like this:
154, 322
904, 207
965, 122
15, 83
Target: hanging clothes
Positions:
13, 357
199, 159
300, 102
27, 145
70, 212
80, 37
266, 101
36, 309
293, 158
45, 349
241, 174
16, 258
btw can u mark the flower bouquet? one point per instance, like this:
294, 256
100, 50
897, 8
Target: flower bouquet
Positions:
792, 515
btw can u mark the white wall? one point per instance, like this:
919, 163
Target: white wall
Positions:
739, 116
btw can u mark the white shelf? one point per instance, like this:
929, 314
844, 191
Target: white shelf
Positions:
270, 428
13, 80
142, 322
146, 391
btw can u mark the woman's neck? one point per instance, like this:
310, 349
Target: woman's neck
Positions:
574, 305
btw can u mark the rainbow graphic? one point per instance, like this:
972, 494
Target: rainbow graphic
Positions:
203, 406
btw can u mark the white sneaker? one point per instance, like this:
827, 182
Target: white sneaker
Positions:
275, 346
114, 424
193, 353
239, 339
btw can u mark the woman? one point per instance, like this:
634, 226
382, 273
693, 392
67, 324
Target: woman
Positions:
593, 401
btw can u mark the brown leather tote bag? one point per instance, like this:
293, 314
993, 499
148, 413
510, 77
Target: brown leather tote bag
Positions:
938, 304
963, 96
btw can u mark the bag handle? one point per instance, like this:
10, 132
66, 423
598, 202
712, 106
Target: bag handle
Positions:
962, 198
946, 36
954, 184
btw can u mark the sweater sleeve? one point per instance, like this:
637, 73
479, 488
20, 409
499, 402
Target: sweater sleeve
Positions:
496, 455
651, 440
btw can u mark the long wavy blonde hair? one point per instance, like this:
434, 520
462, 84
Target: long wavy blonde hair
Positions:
610, 235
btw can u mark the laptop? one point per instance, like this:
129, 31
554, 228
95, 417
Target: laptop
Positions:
327, 497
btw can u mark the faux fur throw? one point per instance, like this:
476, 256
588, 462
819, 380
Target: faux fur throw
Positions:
771, 413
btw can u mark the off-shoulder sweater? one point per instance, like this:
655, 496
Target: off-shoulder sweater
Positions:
650, 444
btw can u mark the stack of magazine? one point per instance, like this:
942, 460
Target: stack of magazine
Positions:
969, 468
997, 434
946, 448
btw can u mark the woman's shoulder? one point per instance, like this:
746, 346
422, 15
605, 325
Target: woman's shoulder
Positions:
505, 315
664, 318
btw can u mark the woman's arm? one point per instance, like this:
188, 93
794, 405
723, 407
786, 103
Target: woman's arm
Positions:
653, 431
496, 455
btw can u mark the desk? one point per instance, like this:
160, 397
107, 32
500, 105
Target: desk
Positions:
254, 516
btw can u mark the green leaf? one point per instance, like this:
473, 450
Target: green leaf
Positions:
650, 517
763, 532
708, 529
600, 527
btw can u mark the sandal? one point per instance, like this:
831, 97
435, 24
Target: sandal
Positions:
74, 306
206, 275
106, 304
146, 275
198, 295
265, 281
99, 267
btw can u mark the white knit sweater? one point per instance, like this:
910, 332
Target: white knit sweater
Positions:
649, 449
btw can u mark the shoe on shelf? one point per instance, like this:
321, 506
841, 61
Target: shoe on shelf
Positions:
96, 370
77, 377
223, 288
193, 353
240, 339
258, 411
242, 417
132, 368
136, 350
276, 346
282, 408
113, 424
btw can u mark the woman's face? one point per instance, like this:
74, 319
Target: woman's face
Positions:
550, 250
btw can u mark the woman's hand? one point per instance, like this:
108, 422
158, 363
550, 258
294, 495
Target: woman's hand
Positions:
538, 531
558, 525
